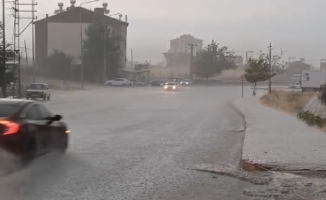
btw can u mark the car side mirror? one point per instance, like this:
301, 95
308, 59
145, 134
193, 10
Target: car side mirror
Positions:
57, 117
52, 119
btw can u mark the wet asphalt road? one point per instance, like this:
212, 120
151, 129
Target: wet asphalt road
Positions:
138, 144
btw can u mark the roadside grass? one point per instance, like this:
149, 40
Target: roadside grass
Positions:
293, 103
286, 101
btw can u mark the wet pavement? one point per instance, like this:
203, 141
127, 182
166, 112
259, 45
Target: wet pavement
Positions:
139, 143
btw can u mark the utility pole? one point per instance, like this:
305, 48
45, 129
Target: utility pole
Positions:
104, 51
3, 68
132, 59
192, 45
33, 40
270, 69
18, 33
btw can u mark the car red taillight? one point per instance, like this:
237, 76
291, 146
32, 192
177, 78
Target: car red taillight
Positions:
9, 127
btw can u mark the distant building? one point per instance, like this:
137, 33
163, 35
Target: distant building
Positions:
179, 52
63, 31
238, 60
296, 67
292, 74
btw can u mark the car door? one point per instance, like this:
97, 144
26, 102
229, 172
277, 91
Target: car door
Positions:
34, 118
115, 81
54, 130
119, 81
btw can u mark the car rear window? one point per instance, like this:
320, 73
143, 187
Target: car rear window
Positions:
8, 110
37, 86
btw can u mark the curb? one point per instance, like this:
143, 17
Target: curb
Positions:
242, 116
243, 164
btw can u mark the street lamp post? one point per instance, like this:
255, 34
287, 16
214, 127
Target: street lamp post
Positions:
81, 43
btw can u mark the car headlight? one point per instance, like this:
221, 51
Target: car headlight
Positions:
166, 87
174, 87
187, 83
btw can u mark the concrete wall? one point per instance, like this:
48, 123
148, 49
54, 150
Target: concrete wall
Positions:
66, 37
41, 42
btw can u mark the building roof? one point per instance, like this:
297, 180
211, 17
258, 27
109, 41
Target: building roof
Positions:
186, 36
73, 16
296, 67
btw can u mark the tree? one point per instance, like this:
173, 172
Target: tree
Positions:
212, 60
93, 52
5, 73
59, 64
257, 70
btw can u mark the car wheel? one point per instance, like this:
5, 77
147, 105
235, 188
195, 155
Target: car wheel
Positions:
29, 152
124, 84
64, 145
49, 97
109, 84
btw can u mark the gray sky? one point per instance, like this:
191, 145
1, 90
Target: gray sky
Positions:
296, 26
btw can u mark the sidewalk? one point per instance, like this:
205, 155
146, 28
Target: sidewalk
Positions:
279, 141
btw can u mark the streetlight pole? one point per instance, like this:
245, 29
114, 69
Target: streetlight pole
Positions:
81, 43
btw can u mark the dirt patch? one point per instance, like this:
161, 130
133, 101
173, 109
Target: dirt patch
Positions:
291, 102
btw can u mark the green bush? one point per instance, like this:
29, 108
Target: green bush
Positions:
311, 119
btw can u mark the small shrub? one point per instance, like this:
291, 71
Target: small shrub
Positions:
311, 119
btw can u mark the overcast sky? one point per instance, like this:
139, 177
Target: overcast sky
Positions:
296, 26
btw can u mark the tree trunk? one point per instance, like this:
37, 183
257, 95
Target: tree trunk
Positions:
254, 90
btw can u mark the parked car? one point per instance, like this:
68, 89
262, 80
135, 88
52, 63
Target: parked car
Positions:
38, 91
157, 83
186, 82
296, 85
29, 129
135, 82
173, 86
118, 82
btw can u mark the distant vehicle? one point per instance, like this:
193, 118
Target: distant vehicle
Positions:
296, 85
38, 91
186, 82
171, 86
312, 80
118, 82
157, 83
135, 82
29, 129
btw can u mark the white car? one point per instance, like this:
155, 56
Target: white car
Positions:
171, 86
135, 82
38, 90
118, 82
186, 82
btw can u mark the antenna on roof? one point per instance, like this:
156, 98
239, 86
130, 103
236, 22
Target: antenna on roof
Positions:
60, 8
72, 2
105, 7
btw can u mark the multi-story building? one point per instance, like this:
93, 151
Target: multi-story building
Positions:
65, 30
179, 53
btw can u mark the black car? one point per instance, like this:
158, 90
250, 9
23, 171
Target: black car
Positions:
157, 83
28, 129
